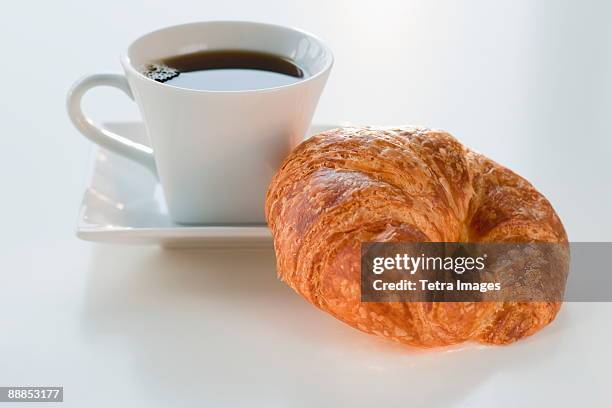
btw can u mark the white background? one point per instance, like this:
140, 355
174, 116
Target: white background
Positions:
526, 82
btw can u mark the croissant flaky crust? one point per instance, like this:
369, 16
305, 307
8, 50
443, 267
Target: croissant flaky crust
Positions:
346, 186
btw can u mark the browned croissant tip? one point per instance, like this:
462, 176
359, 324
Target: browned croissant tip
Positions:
349, 185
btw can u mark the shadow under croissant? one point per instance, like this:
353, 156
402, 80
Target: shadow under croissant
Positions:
219, 322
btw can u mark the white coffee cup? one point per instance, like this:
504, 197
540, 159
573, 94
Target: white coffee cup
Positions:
214, 151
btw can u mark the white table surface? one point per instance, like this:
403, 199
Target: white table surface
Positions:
526, 82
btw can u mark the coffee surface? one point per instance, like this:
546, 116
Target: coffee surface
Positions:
225, 70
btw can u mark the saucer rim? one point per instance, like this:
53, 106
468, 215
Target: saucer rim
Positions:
87, 231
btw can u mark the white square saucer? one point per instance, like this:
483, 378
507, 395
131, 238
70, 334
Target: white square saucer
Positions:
123, 203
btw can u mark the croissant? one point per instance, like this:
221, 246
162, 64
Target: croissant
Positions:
346, 186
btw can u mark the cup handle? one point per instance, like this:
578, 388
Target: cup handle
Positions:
118, 144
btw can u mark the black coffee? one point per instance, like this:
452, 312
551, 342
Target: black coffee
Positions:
225, 70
